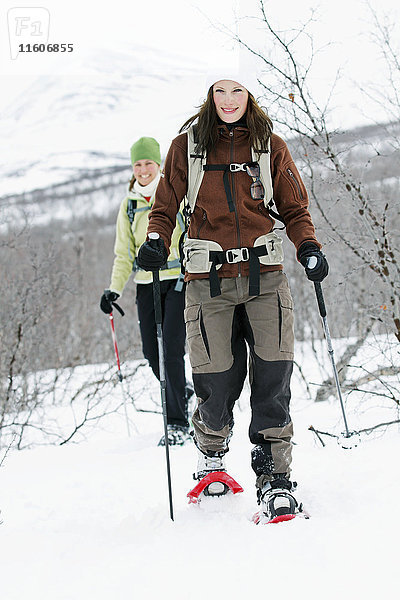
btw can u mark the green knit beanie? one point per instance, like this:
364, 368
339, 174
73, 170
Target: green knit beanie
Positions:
146, 148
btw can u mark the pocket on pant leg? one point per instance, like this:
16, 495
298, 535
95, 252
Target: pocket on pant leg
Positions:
198, 353
286, 322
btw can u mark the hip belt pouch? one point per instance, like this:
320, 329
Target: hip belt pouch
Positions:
196, 255
274, 247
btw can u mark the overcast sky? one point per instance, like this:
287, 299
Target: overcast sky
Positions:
191, 28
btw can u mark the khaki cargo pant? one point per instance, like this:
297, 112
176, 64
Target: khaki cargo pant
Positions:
219, 330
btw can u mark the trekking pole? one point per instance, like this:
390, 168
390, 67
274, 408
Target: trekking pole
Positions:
120, 377
114, 338
160, 342
322, 312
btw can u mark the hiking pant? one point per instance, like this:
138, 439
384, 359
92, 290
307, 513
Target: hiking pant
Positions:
219, 330
173, 328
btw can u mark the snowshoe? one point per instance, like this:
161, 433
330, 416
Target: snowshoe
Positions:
212, 477
216, 483
178, 435
278, 503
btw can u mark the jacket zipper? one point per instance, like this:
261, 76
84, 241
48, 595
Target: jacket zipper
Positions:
231, 133
291, 175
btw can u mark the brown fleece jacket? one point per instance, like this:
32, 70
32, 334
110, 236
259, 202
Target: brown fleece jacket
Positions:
212, 219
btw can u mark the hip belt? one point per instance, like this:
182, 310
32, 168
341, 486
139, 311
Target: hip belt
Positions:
206, 256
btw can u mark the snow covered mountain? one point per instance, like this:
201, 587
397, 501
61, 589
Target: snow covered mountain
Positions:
65, 141
87, 115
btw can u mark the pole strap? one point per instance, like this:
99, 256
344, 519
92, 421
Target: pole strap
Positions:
119, 309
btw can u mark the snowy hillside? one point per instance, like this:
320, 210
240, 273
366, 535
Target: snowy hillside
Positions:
65, 140
91, 520
87, 115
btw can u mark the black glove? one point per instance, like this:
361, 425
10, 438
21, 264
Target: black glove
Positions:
320, 270
152, 255
106, 301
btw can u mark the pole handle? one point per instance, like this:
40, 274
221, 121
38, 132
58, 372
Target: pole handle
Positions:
320, 298
311, 264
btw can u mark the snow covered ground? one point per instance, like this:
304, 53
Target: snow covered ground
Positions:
91, 520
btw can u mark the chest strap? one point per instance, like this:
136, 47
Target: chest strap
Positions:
230, 168
236, 255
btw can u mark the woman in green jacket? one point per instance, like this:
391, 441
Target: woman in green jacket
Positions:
132, 223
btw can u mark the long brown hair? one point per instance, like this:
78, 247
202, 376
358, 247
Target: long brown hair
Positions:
132, 181
258, 122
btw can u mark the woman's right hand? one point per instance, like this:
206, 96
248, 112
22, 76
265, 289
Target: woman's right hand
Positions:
152, 254
106, 301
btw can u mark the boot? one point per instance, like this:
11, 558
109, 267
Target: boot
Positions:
276, 498
209, 463
178, 435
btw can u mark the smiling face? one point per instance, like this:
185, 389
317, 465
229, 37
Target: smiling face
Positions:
230, 99
145, 171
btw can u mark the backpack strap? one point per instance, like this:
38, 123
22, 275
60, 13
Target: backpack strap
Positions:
195, 168
181, 222
264, 160
195, 176
131, 209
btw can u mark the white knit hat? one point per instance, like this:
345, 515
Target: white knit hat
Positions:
245, 76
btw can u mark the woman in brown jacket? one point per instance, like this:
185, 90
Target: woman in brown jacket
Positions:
237, 298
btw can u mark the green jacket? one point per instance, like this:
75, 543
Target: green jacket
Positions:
128, 240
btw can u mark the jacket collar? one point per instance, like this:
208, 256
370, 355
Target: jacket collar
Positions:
242, 123
241, 132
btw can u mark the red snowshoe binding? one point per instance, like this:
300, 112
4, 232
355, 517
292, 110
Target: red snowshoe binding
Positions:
217, 483
213, 478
